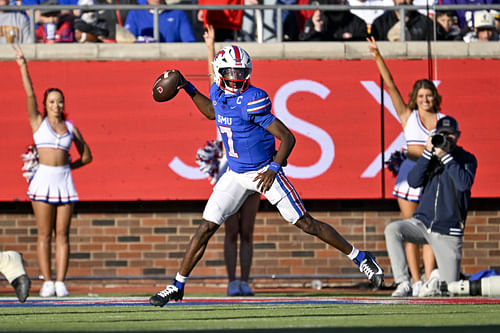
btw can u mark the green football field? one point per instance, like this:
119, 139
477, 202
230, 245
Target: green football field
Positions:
263, 314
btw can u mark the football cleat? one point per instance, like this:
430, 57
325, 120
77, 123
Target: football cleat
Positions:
371, 269
163, 297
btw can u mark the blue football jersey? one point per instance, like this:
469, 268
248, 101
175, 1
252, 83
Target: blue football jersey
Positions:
242, 120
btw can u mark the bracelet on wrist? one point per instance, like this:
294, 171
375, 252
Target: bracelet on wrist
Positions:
190, 89
274, 166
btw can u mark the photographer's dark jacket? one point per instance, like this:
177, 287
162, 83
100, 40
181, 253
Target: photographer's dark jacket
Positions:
445, 196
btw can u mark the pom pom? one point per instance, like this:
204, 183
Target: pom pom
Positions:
209, 158
30, 159
395, 161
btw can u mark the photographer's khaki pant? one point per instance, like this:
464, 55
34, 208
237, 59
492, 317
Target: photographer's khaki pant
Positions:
447, 249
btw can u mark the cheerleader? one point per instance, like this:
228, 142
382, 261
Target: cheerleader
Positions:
51, 189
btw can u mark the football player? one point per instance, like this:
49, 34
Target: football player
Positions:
242, 114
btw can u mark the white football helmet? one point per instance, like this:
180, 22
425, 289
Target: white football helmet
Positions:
232, 68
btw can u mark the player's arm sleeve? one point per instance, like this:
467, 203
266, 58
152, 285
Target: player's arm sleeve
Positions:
259, 109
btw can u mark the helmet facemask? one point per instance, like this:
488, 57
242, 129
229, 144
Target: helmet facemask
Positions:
235, 80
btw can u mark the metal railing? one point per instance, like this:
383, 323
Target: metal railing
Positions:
275, 8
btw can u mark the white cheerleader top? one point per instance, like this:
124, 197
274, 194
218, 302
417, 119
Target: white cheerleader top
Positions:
45, 137
415, 131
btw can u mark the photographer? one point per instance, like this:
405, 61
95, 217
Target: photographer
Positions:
446, 173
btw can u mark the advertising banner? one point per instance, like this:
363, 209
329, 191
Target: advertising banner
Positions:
342, 120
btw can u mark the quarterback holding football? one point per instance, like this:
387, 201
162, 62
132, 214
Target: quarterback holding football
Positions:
249, 130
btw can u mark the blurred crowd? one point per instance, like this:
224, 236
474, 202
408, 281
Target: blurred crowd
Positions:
137, 26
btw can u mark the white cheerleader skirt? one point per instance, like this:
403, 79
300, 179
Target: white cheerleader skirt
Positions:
402, 189
53, 184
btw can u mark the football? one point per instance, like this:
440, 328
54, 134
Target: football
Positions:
165, 86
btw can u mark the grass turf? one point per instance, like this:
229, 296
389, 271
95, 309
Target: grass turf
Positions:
249, 318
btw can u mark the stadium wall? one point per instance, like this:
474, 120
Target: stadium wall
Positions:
144, 242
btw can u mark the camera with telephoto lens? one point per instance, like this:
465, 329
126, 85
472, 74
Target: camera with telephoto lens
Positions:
488, 286
440, 140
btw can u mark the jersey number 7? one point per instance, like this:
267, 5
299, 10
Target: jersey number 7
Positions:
228, 132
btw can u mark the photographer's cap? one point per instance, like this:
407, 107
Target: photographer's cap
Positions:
447, 124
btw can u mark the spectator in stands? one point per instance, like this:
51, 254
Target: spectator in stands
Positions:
445, 30
174, 25
292, 25
303, 14
227, 23
40, 2
89, 27
387, 26
14, 26
334, 25
115, 19
466, 16
251, 19
55, 26
290, 21
484, 28
368, 15
496, 16
423, 11
64, 13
